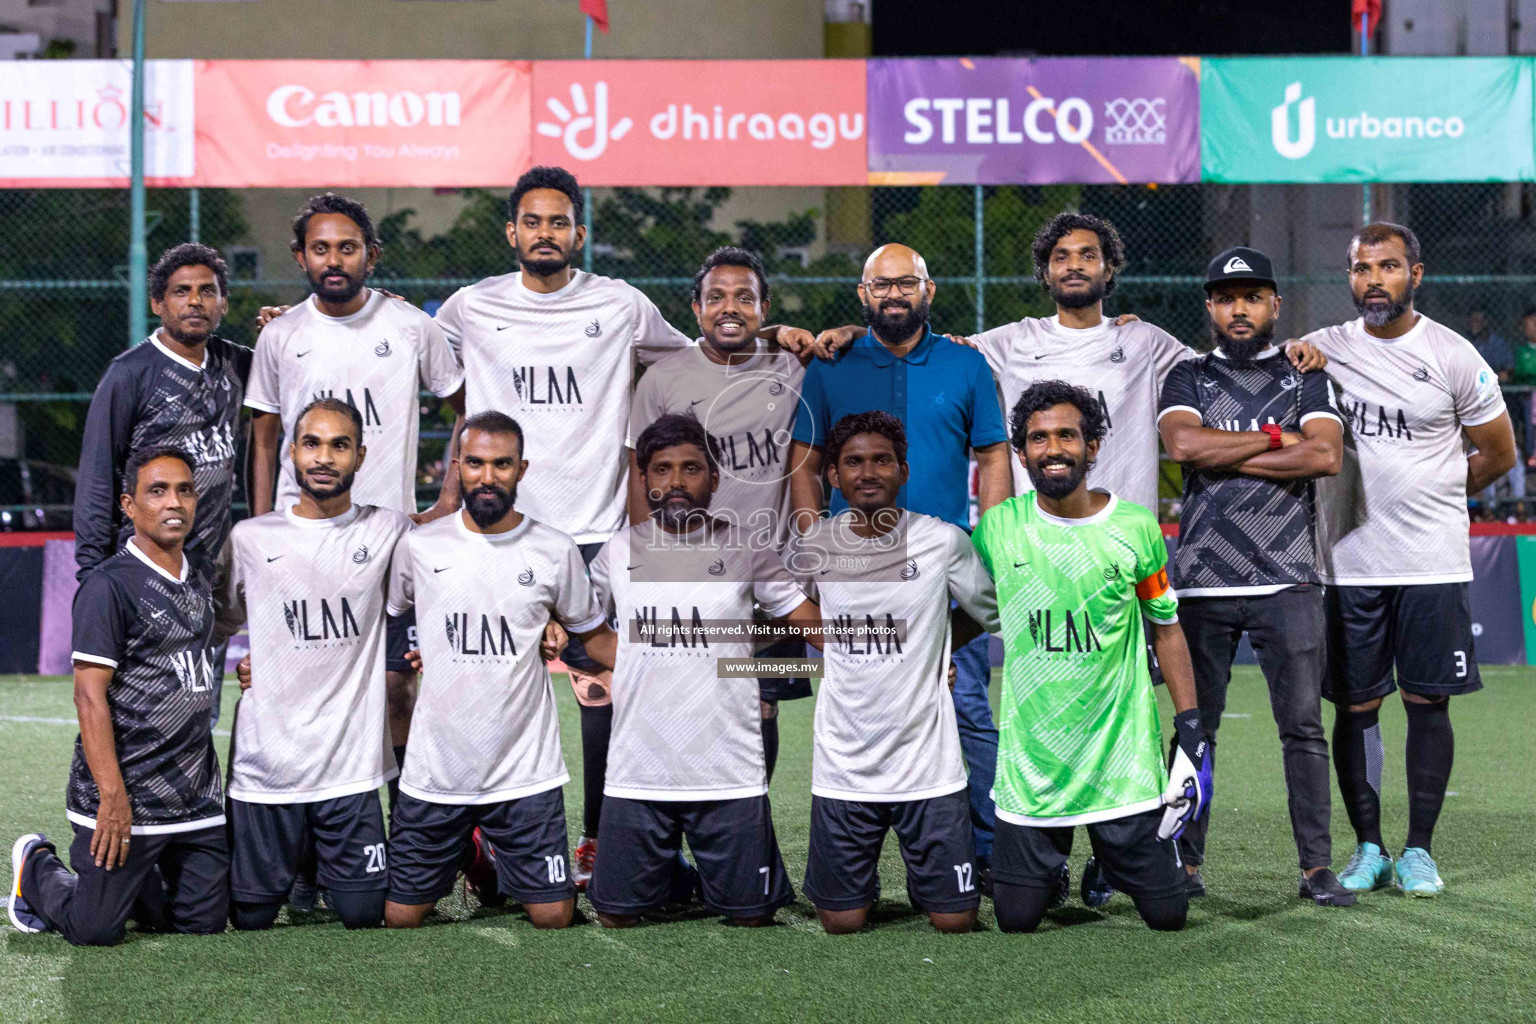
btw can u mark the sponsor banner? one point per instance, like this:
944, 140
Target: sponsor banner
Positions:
64, 124
1525, 549
996, 121
1499, 624
1315, 119
710, 122
310, 123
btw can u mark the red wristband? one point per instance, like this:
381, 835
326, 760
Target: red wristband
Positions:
1273, 430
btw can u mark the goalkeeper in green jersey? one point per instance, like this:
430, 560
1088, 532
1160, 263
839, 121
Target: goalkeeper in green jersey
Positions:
1079, 740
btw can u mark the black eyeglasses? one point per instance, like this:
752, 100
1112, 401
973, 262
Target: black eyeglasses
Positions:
880, 287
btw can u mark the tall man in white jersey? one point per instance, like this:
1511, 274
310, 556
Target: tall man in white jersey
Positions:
558, 348
372, 351
886, 750
485, 749
687, 745
745, 390
1393, 547
311, 740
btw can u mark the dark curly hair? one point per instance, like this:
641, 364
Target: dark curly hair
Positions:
330, 202
557, 178
1065, 223
187, 254
144, 456
731, 256
1044, 394
873, 422
676, 428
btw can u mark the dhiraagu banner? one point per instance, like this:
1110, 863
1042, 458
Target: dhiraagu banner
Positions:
1341, 119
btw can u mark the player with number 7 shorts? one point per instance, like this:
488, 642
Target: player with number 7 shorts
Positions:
1080, 743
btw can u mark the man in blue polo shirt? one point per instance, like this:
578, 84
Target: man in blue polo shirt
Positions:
945, 396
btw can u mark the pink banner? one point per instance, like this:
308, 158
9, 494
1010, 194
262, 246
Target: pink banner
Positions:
307, 123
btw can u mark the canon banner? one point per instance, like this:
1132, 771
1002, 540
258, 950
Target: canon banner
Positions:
65, 123
702, 122
995, 121
427, 123
1367, 119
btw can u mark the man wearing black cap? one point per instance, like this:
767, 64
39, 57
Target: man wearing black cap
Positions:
1252, 434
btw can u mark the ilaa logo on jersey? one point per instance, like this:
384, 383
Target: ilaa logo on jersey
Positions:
910, 572
360, 555
776, 388
1113, 572
594, 329
525, 577
381, 349
1118, 355
1421, 374
1291, 381
718, 569
1235, 264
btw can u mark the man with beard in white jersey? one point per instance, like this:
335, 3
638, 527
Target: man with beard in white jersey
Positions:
311, 741
1393, 547
376, 353
886, 748
687, 745
745, 391
558, 348
485, 750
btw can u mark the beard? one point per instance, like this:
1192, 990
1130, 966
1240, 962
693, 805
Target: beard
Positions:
1380, 316
336, 293
1242, 350
342, 485
1078, 300
488, 504
544, 264
899, 324
190, 335
1057, 487
679, 515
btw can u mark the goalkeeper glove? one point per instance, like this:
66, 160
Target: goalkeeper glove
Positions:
1188, 795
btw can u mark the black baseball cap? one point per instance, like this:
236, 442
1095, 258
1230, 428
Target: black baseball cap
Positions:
1240, 263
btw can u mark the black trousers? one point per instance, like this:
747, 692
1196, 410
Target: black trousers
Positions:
1286, 630
91, 907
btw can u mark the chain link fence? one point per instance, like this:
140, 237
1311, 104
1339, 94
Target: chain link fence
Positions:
63, 279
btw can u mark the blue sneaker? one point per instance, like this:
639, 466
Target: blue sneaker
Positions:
21, 913
1417, 874
1095, 890
1369, 867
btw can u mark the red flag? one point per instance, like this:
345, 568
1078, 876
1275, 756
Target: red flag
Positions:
597, 10
1370, 8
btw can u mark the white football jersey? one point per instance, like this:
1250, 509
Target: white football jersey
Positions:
378, 359
750, 408
1123, 366
885, 722
563, 365
679, 732
1397, 511
313, 726
486, 728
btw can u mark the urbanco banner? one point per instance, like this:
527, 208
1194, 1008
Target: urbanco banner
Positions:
998, 121
64, 123
311, 123
709, 122
1342, 119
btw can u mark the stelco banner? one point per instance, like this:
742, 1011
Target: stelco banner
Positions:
444, 123
996, 121
1319, 119
678, 122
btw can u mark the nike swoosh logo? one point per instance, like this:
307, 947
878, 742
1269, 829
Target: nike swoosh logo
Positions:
503, 327
698, 402
1040, 357
825, 571
634, 567
443, 569
275, 558
301, 355
1019, 565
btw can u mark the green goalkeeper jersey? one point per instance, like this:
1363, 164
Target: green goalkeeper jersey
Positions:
1078, 734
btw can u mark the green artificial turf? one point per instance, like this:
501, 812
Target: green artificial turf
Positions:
1252, 952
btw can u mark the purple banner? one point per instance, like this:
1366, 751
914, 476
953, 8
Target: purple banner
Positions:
1001, 121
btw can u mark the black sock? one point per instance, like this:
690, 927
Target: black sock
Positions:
254, 917
771, 743
1357, 758
1431, 749
1167, 914
1019, 908
596, 728
394, 784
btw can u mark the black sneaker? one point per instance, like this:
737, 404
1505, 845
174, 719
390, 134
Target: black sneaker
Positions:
1095, 890
1323, 888
1194, 885
983, 877
1060, 889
